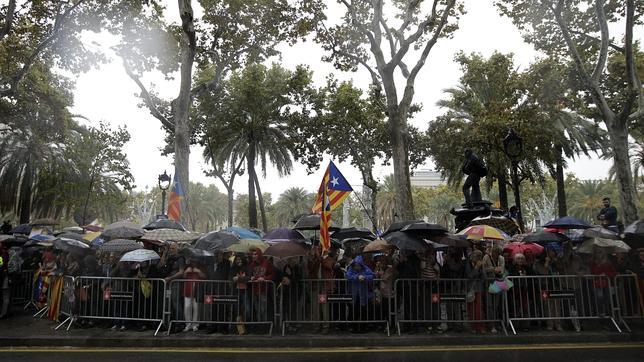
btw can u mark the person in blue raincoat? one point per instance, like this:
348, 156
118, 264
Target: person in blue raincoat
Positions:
360, 278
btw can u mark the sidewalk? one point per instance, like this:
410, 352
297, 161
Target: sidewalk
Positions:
25, 331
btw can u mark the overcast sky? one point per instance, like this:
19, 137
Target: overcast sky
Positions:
108, 95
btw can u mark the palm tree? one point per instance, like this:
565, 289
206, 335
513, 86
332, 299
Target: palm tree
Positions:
292, 202
255, 105
26, 159
586, 199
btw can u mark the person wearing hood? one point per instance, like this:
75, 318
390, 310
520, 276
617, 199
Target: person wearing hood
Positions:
360, 276
262, 272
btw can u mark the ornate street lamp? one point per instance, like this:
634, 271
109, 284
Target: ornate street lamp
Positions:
164, 185
513, 148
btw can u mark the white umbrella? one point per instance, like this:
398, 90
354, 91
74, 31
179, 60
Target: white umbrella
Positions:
140, 255
614, 246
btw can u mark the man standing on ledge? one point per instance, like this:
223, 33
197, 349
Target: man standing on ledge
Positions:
608, 216
474, 168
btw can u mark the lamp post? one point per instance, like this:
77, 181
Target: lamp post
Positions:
164, 184
513, 148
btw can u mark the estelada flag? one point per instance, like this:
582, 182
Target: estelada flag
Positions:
174, 201
333, 185
333, 190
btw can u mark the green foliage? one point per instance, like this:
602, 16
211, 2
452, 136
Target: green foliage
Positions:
487, 103
292, 202
248, 118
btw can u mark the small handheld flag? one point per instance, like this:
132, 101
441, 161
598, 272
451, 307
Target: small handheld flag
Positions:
174, 200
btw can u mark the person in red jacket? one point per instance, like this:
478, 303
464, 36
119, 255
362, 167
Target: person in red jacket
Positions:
263, 273
603, 270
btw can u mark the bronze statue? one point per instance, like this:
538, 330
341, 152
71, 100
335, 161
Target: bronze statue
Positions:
474, 168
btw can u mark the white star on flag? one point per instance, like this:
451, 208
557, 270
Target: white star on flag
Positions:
334, 181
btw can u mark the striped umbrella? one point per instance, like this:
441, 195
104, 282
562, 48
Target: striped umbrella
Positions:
122, 223
484, 232
170, 235
120, 246
502, 223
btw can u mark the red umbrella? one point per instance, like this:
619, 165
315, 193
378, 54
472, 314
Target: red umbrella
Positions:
519, 247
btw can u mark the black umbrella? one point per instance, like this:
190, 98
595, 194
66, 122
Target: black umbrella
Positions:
355, 245
193, 253
284, 234
21, 229
424, 229
353, 232
406, 241
437, 246
311, 222
122, 232
634, 234
399, 225
71, 246
165, 224
13, 240
544, 237
216, 240
457, 241
568, 222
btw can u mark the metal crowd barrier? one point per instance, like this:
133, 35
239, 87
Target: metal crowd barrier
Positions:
560, 297
332, 301
121, 299
462, 302
629, 298
68, 301
219, 302
22, 287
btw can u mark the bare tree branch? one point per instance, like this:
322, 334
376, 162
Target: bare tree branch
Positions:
635, 84
590, 37
147, 98
591, 85
409, 13
409, 88
392, 46
375, 45
406, 43
603, 52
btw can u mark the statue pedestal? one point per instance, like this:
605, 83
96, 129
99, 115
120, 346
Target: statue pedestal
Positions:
464, 214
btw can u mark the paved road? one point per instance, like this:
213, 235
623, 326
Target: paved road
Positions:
522, 353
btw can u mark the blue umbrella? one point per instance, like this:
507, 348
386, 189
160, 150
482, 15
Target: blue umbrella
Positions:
42, 237
21, 229
568, 222
243, 233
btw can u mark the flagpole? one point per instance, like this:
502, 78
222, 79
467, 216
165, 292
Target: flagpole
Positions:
373, 224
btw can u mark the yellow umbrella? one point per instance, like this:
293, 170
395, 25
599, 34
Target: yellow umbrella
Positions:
244, 246
483, 232
91, 236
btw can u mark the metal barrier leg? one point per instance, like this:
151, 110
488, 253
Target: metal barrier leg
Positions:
169, 328
159, 328
615, 324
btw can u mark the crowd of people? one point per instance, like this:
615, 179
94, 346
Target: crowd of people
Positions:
369, 279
